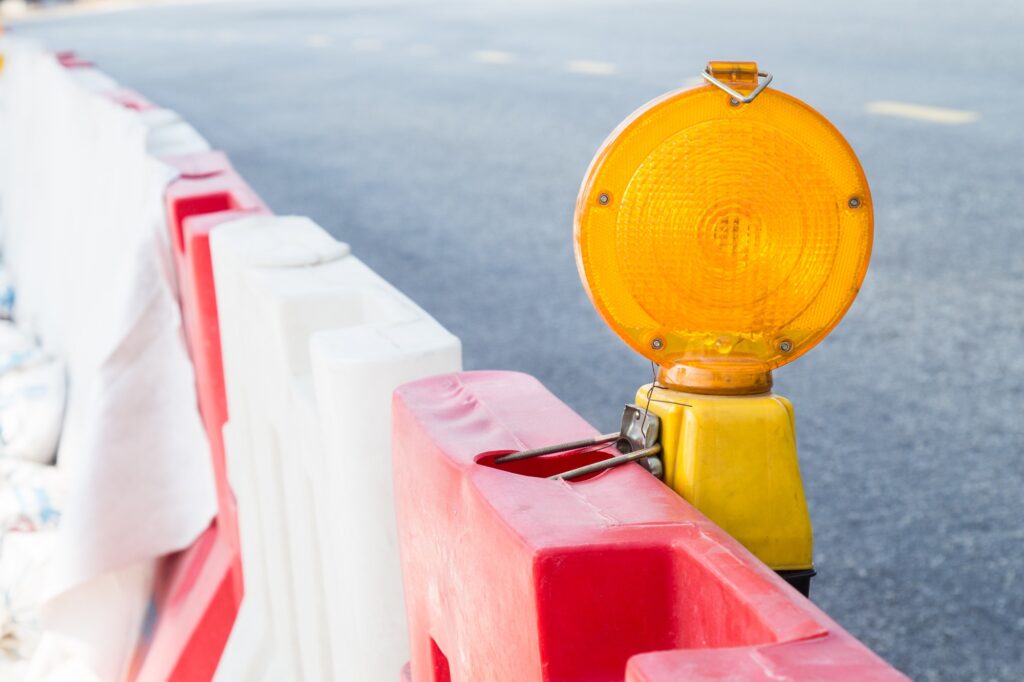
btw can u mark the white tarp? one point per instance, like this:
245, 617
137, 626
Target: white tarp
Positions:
85, 243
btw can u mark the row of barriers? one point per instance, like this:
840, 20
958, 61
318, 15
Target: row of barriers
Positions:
302, 345
354, 463
297, 348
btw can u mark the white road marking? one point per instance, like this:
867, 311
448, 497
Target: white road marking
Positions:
367, 45
591, 68
421, 50
922, 113
318, 40
492, 57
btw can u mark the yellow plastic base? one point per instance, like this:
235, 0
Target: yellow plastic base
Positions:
734, 459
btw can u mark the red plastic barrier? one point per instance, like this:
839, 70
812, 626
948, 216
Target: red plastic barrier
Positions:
195, 602
513, 577
208, 193
129, 99
69, 60
198, 591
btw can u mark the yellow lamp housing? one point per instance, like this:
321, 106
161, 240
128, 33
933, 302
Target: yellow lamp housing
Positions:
722, 239
734, 458
722, 232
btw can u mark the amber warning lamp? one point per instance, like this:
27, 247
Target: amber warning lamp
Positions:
723, 231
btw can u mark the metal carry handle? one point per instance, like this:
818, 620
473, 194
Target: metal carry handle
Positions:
738, 96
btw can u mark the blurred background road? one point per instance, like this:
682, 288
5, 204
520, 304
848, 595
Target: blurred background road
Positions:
446, 142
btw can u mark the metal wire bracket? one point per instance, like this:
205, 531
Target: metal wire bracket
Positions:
637, 440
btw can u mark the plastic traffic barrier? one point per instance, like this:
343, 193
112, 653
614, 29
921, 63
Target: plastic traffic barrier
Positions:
314, 344
199, 591
512, 576
208, 193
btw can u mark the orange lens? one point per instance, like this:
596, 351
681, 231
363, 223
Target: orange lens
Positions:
720, 240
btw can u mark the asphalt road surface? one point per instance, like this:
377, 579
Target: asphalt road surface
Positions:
446, 142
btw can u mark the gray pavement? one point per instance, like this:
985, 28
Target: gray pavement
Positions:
446, 142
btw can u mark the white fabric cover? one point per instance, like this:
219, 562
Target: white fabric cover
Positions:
85, 243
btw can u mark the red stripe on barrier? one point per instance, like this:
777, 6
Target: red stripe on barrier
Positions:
200, 590
514, 577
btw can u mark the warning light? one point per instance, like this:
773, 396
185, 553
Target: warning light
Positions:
723, 231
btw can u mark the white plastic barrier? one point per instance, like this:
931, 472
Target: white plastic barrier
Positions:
314, 343
170, 135
93, 79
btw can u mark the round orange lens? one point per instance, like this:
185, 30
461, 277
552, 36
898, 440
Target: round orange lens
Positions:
722, 240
